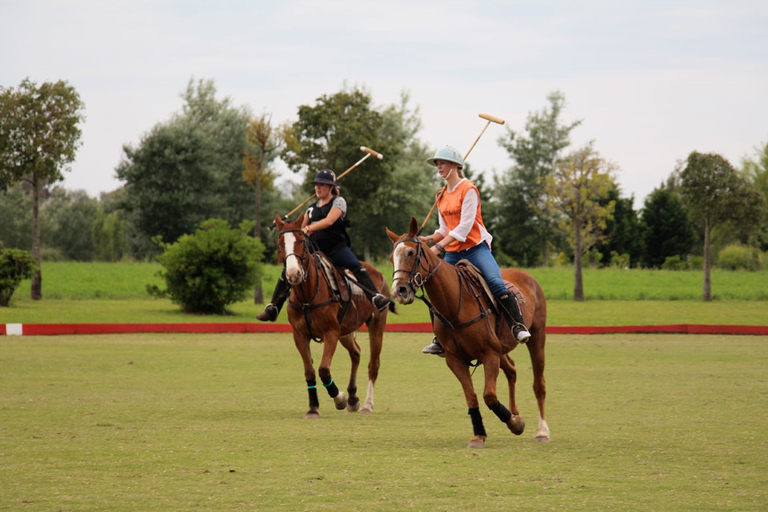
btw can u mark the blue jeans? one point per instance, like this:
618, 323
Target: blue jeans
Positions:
345, 258
481, 257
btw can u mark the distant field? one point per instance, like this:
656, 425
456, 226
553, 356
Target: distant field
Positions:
116, 292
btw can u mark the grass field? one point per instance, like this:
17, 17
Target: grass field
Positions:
215, 423
115, 292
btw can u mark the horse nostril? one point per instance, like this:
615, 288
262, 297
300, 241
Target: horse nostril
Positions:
402, 291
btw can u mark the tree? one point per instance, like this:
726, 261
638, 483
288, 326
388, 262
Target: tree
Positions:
264, 142
522, 222
574, 191
715, 193
756, 171
623, 232
15, 266
666, 229
328, 135
39, 136
186, 170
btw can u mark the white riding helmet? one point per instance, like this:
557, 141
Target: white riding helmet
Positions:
449, 154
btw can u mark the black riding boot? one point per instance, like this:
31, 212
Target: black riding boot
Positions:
511, 311
380, 302
279, 296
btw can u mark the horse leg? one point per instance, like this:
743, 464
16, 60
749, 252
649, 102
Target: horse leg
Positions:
536, 349
330, 341
349, 342
461, 371
375, 342
514, 422
302, 345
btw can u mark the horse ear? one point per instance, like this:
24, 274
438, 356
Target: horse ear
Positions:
414, 227
392, 236
279, 222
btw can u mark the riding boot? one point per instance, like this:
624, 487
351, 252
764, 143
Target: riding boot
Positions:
279, 296
511, 311
380, 302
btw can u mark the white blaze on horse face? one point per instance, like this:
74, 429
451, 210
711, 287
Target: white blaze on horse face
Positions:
398, 261
292, 266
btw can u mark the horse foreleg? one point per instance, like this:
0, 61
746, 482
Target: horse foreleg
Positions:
330, 340
349, 342
514, 422
536, 349
461, 371
302, 345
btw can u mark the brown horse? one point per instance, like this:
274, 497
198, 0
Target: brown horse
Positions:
467, 325
326, 306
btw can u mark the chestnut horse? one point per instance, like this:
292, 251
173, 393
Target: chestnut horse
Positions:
469, 328
329, 308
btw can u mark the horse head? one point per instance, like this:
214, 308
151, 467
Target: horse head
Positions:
413, 262
292, 249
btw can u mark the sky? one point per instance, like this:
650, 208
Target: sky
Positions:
651, 81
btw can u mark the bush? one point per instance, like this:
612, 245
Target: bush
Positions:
15, 266
739, 257
214, 267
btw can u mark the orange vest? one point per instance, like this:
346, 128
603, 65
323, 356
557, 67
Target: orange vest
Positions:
449, 205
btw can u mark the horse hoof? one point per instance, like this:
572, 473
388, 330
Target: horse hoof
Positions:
516, 425
353, 407
477, 442
541, 439
340, 400
311, 415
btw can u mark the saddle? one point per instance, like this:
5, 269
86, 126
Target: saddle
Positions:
341, 282
476, 279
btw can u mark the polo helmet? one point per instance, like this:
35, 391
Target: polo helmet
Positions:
449, 154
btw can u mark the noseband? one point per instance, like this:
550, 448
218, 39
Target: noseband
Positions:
415, 278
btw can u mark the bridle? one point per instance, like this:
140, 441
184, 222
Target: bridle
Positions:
416, 279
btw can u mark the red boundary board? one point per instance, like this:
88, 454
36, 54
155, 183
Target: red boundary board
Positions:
244, 327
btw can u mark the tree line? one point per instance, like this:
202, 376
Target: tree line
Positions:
213, 159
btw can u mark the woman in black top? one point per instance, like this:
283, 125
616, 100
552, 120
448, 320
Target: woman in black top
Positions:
326, 224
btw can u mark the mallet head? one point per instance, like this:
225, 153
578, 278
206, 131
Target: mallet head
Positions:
372, 152
493, 119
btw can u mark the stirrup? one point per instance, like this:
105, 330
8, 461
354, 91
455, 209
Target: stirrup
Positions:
521, 333
269, 314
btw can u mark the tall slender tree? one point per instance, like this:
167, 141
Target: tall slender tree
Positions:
39, 136
715, 193
524, 226
575, 190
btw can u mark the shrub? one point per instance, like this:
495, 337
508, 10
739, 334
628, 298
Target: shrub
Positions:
674, 263
739, 257
15, 266
619, 260
210, 269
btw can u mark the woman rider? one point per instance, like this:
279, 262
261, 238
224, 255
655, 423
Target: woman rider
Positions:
462, 235
326, 224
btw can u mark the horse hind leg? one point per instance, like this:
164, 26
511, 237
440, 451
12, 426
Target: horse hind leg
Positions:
536, 350
376, 340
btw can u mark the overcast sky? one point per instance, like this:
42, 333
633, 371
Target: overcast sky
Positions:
651, 80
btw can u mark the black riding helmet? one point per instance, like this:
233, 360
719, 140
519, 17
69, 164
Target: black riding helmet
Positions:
326, 177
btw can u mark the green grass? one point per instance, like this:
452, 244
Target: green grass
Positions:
115, 292
215, 423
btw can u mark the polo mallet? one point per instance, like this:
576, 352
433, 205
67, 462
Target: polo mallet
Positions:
369, 152
490, 119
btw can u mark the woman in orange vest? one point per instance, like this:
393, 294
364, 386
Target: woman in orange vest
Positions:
461, 235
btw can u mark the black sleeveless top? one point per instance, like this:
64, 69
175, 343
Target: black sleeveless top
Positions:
335, 237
